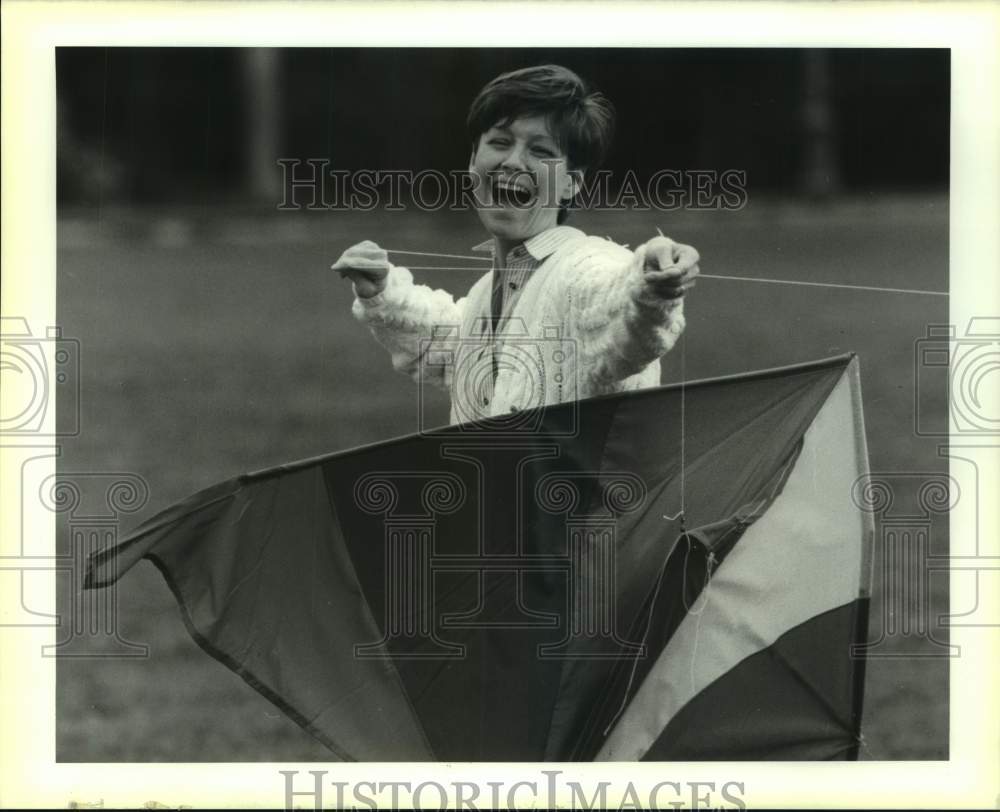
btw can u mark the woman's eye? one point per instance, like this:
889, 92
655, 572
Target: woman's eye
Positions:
498, 142
544, 153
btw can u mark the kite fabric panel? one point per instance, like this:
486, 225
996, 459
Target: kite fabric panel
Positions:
569, 583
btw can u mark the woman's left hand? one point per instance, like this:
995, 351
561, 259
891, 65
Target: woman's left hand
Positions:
669, 268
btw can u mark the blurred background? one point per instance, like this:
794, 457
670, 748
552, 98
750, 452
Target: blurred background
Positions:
214, 339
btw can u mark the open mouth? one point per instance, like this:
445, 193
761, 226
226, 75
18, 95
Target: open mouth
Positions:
506, 193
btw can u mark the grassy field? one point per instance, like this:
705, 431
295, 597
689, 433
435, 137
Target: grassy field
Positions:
216, 342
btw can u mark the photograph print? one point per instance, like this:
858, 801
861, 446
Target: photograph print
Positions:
503, 405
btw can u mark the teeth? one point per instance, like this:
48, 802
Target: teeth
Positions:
519, 193
506, 184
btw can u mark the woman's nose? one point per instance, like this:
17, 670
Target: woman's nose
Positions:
514, 159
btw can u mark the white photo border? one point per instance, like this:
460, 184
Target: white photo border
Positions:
29, 774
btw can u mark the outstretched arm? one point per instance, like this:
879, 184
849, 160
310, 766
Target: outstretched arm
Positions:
413, 322
629, 311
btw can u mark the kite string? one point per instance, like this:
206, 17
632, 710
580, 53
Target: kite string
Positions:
645, 635
822, 284
433, 254
699, 611
683, 427
865, 746
683, 344
446, 268
683, 535
758, 279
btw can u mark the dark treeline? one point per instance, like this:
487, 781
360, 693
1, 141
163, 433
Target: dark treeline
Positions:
178, 124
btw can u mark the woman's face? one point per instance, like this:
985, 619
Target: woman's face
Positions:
521, 176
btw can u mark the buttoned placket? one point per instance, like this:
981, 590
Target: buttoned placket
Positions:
506, 288
505, 284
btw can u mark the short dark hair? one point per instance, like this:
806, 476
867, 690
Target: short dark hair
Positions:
581, 118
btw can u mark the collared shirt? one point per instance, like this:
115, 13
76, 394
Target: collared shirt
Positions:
507, 286
522, 262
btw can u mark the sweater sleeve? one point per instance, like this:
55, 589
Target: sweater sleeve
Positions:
417, 325
621, 326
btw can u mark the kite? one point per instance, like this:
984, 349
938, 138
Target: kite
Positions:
572, 583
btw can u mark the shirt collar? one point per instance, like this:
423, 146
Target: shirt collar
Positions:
541, 245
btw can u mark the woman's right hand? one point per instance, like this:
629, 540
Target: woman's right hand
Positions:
366, 265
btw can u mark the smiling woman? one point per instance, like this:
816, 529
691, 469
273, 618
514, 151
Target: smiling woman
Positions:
543, 123
523, 181
535, 132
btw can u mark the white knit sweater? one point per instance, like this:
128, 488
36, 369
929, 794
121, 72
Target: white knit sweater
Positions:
585, 324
